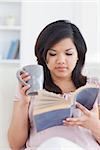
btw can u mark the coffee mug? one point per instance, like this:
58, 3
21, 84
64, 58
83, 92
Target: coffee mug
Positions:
36, 80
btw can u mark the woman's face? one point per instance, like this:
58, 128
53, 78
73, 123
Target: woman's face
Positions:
61, 59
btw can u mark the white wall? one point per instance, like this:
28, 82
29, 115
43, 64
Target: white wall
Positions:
90, 29
7, 92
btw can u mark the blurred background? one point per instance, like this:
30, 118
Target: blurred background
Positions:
20, 23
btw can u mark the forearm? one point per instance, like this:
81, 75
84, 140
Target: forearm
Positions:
18, 131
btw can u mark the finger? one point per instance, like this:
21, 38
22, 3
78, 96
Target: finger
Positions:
83, 109
25, 74
21, 84
72, 122
72, 119
26, 78
24, 89
68, 123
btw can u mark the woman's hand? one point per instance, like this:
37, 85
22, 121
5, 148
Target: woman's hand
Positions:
87, 120
23, 88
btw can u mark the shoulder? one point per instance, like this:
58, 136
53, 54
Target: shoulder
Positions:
93, 80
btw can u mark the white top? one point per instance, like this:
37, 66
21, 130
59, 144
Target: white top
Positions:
75, 134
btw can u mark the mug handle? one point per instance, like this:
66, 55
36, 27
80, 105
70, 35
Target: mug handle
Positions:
19, 77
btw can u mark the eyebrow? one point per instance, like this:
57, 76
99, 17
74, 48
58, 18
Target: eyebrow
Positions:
65, 50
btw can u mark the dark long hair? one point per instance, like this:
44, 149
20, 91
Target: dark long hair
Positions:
52, 34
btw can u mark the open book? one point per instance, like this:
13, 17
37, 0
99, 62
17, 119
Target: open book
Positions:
51, 109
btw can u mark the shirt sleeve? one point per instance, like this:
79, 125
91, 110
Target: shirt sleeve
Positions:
95, 81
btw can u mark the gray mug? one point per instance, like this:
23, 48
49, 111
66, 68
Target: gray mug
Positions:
36, 80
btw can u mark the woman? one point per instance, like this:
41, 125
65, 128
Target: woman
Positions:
60, 49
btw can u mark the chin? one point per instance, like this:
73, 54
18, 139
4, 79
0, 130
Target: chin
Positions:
63, 75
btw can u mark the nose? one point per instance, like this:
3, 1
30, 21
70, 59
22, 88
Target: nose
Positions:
61, 59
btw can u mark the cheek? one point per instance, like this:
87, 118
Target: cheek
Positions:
73, 61
50, 60
50, 67
49, 63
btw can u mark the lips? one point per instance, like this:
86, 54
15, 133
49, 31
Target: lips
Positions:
61, 68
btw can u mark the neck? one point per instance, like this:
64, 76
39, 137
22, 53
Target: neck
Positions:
66, 85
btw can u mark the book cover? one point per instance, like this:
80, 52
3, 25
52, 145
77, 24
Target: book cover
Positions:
13, 50
51, 109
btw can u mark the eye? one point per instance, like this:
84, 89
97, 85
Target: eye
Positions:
52, 54
68, 54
